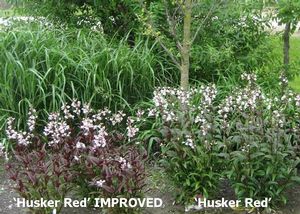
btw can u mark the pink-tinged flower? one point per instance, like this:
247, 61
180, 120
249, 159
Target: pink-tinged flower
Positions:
140, 113
87, 125
22, 138
57, 129
117, 118
86, 109
80, 145
98, 183
99, 140
101, 114
31, 119
67, 112
1, 150
76, 105
11, 133
124, 163
131, 131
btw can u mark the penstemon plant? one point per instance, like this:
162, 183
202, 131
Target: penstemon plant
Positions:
188, 147
264, 137
247, 137
79, 150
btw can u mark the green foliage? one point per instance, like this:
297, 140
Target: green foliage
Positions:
295, 84
247, 136
263, 155
231, 41
46, 67
231, 37
187, 147
116, 17
193, 175
289, 11
268, 74
263, 158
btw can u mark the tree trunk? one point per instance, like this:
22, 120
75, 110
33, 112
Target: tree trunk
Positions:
186, 45
286, 46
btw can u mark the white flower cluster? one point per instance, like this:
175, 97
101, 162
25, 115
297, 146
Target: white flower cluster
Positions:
204, 124
22, 138
245, 148
140, 114
7, 22
166, 98
278, 118
98, 183
1, 150
99, 138
101, 114
209, 94
31, 122
251, 78
66, 109
288, 97
76, 104
283, 79
124, 163
86, 109
57, 129
80, 145
131, 129
90, 21
87, 126
243, 100
75, 109
182, 110
189, 142
117, 118
152, 112
297, 100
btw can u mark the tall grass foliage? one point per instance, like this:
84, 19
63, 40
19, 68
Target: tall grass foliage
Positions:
46, 67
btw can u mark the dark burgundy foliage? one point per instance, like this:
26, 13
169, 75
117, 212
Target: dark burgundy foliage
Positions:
77, 163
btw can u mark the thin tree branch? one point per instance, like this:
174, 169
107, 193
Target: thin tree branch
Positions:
157, 38
204, 20
172, 26
171, 55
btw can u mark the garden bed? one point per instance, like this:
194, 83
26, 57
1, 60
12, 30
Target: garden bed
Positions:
157, 187
232, 134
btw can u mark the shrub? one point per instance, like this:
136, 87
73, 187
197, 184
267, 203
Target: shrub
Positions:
78, 149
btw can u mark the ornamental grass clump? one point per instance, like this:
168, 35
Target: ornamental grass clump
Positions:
247, 137
79, 150
46, 66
